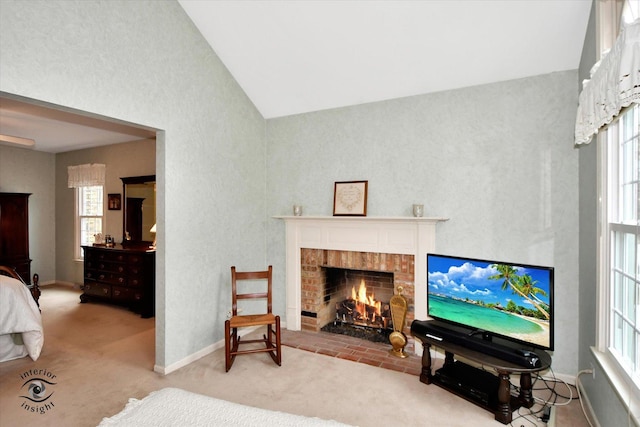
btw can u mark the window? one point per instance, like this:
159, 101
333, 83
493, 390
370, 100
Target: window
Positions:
621, 225
618, 333
90, 203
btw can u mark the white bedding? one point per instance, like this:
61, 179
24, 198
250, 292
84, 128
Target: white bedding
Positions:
20, 321
177, 407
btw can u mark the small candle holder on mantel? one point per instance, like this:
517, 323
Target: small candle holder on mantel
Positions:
397, 338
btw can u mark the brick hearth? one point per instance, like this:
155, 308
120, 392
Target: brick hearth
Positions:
350, 348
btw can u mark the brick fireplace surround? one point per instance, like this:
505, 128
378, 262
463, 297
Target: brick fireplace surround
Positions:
393, 244
316, 312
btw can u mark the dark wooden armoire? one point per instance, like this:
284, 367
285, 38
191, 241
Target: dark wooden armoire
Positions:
134, 218
14, 233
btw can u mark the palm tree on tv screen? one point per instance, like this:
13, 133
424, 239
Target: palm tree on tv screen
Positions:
522, 285
527, 285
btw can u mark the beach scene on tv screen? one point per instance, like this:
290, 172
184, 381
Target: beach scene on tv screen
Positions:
505, 299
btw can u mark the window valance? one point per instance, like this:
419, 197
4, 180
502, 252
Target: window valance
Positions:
614, 84
86, 175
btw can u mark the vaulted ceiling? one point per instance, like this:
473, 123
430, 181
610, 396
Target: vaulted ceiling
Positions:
292, 57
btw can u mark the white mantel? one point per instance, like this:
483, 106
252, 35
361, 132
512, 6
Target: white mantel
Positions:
395, 235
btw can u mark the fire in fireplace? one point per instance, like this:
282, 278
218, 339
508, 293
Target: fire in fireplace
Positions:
362, 309
359, 311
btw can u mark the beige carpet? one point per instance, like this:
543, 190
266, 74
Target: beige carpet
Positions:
102, 355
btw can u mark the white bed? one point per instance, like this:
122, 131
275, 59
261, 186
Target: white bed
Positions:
20, 321
177, 407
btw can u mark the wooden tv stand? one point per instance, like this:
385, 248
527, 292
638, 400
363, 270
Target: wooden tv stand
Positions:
494, 396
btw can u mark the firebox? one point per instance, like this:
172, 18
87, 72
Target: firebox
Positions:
318, 301
358, 301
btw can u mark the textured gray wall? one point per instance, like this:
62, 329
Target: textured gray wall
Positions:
498, 160
146, 63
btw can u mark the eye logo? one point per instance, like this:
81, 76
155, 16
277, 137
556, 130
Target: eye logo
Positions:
36, 390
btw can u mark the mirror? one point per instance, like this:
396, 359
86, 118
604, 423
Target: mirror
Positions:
139, 209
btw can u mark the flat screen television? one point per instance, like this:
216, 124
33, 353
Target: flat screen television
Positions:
493, 298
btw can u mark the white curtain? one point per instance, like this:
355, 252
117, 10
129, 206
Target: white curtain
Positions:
86, 175
614, 84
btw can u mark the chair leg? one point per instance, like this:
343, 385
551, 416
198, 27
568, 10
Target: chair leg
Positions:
273, 337
230, 344
235, 340
227, 345
278, 343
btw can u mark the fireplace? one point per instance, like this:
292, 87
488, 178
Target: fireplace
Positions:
360, 303
397, 245
359, 297
353, 289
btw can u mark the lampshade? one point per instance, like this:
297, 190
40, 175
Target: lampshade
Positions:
153, 230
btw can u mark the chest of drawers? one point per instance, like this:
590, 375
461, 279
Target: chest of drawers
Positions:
118, 275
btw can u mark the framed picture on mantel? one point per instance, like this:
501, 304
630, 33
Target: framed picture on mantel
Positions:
350, 198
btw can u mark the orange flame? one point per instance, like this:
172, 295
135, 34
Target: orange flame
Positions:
365, 300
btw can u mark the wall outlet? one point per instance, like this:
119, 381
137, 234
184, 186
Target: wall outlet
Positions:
593, 371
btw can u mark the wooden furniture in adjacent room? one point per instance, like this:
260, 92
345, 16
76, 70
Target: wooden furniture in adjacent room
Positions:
272, 322
134, 218
139, 210
119, 275
14, 234
481, 387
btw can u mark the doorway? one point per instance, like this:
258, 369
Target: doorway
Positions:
59, 131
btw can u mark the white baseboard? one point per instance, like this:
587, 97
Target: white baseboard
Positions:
588, 408
60, 282
569, 379
165, 370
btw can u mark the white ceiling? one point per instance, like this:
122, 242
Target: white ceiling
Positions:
293, 57
56, 129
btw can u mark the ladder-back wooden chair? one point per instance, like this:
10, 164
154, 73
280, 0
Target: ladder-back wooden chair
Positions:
232, 340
